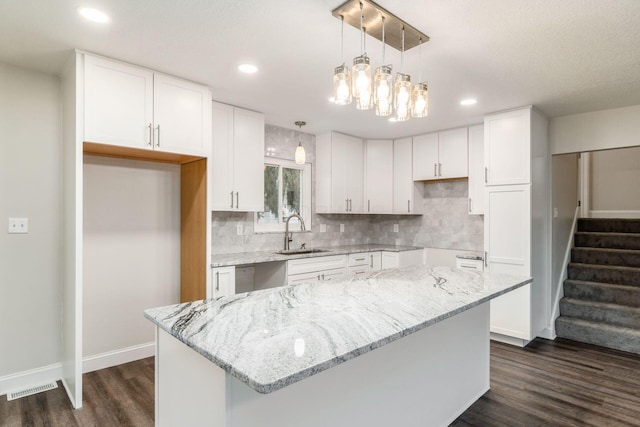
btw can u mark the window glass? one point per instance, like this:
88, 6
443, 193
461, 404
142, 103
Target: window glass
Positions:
271, 187
291, 193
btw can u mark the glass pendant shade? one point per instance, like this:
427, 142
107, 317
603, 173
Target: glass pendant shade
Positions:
383, 90
361, 82
300, 155
402, 97
342, 85
420, 100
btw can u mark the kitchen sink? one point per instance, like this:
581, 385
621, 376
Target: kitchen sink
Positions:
300, 251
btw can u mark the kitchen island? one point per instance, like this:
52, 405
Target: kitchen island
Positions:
302, 355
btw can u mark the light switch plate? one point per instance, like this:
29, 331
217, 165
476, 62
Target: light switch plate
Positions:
342, 228
18, 225
323, 228
239, 229
555, 212
396, 228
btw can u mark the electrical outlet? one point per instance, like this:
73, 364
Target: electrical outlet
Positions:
396, 228
342, 228
323, 228
18, 225
555, 212
239, 230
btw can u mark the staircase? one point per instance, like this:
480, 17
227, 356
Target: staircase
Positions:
601, 303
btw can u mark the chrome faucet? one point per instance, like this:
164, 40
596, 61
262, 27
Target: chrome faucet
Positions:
288, 235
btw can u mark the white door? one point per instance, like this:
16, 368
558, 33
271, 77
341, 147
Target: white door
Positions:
355, 174
182, 116
379, 176
339, 164
248, 160
507, 237
118, 104
223, 282
507, 147
476, 170
221, 159
403, 176
453, 154
425, 157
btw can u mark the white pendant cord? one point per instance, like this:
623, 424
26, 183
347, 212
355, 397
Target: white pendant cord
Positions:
361, 30
342, 39
383, 43
420, 61
402, 53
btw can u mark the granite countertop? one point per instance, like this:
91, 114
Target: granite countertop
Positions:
246, 258
272, 338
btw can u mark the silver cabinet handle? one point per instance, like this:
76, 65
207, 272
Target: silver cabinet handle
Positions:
469, 204
359, 259
485, 259
435, 169
346, 205
231, 194
150, 134
408, 206
439, 169
237, 200
350, 205
322, 276
158, 138
217, 281
319, 277
485, 174
371, 260
368, 205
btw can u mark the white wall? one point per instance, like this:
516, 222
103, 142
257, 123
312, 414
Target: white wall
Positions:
615, 175
597, 130
131, 250
30, 186
565, 200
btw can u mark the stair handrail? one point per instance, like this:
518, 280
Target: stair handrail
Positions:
563, 273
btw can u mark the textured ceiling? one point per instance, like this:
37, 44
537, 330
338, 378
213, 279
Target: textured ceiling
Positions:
565, 57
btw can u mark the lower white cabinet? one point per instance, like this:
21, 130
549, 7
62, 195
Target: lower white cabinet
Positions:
364, 262
222, 283
314, 269
401, 259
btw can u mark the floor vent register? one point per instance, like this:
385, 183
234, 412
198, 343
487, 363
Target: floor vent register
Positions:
32, 390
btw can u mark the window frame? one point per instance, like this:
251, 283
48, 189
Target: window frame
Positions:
306, 197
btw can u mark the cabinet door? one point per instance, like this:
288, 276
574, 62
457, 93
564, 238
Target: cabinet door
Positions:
425, 157
221, 159
248, 160
118, 103
336, 274
339, 165
507, 147
403, 185
379, 176
355, 174
182, 116
476, 170
296, 279
376, 261
507, 241
223, 282
390, 260
453, 154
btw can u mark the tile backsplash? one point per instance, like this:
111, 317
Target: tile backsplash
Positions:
445, 223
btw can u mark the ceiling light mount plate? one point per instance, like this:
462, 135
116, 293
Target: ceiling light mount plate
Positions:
300, 123
372, 21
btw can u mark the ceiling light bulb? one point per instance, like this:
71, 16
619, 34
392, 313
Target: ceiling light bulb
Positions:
93, 15
403, 97
248, 68
300, 156
361, 83
383, 94
341, 85
469, 101
420, 100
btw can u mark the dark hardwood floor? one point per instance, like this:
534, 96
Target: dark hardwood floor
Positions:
549, 383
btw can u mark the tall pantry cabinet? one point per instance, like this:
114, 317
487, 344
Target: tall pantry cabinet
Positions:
517, 222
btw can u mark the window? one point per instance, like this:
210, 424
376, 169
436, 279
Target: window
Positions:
287, 191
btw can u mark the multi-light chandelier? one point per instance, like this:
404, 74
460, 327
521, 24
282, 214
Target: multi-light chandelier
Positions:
380, 91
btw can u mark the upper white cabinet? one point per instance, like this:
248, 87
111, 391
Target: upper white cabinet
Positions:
237, 160
133, 107
507, 150
405, 190
476, 170
441, 155
379, 162
340, 173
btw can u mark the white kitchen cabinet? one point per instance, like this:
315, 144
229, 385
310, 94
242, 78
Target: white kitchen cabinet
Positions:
130, 106
441, 155
405, 191
314, 269
476, 170
507, 149
517, 221
339, 173
237, 159
222, 283
402, 259
379, 176
364, 262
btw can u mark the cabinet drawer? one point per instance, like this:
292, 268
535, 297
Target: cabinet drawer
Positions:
317, 276
470, 264
359, 270
309, 265
363, 258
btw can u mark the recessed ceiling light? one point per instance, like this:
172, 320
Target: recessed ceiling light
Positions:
248, 68
93, 15
469, 101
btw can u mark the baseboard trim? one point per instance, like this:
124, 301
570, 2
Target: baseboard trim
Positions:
615, 214
30, 378
519, 342
548, 333
118, 357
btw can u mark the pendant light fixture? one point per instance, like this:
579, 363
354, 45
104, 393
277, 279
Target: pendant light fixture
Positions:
420, 93
342, 76
300, 155
383, 84
361, 80
402, 90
